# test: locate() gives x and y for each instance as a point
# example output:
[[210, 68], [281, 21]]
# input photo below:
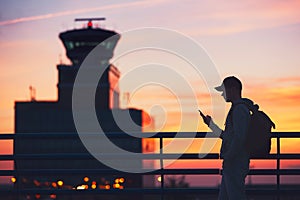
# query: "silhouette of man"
[[233, 151]]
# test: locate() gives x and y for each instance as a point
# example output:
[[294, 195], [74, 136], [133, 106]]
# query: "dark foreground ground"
[[257, 192]]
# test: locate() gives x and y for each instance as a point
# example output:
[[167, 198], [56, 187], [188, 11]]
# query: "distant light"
[[107, 187], [122, 180], [60, 183], [159, 179], [82, 187], [86, 179], [90, 24], [37, 196], [102, 186], [54, 185], [94, 186], [13, 179], [36, 183], [116, 185], [53, 196]]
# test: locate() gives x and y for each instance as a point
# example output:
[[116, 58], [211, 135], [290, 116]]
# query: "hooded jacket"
[[236, 127]]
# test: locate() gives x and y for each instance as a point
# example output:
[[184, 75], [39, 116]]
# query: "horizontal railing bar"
[[112, 191], [274, 172], [108, 156], [138, 134], [145, 156], [286, 135], [133, 191], [106, 171], [280, 156], [203, 171]]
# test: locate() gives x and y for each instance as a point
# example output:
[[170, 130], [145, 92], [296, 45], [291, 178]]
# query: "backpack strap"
[[244, 103]]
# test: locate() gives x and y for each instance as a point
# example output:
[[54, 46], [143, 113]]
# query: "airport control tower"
[[54, 117]]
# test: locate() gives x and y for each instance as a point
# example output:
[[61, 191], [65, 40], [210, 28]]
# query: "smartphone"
[[202, 115], [205, 119]]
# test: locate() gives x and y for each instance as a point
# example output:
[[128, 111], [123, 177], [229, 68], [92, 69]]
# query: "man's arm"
[[216, 130]]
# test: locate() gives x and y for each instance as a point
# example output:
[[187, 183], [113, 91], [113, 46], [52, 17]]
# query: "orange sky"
[[258, 41]]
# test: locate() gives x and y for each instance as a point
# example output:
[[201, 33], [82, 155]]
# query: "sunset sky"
[[257, 41]]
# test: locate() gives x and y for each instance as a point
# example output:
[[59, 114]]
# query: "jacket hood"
[[250, 104]]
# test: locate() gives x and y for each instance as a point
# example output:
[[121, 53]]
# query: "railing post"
[[161, 168], [278, 168], [17, 184]]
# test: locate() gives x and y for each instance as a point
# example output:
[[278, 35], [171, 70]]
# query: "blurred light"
[[122, 180], [102, 186], [116, 185], [121, 187], [106, 187], [86, 179], [60, 183], [54, 185], [159, 179], [94, 186], [37, 196], [82, 187], [116, 180], [36, 183], [53, 196], [90, 24], [13, 179]]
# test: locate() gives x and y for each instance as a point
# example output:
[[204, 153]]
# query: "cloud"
[[282, 91], [242, 17], [80, 11], [291, 79]]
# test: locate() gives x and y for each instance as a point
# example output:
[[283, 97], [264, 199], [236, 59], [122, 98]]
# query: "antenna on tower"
[[32, 93], [90, 20], [126, 99], [60, 59]]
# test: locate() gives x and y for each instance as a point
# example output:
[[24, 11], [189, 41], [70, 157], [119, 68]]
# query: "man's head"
[[231, 88]]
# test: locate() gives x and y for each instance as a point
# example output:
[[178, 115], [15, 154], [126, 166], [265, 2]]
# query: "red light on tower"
[[89, 20], [90, 24]]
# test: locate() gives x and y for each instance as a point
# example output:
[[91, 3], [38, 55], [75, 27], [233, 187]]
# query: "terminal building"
[[54, 117]]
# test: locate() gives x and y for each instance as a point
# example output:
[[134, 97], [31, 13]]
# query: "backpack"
[[258, 138]]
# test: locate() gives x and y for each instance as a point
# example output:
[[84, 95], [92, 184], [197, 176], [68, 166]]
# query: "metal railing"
[[161, 156]]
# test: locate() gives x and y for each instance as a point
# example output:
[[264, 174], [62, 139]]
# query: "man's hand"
[[206, 119]]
